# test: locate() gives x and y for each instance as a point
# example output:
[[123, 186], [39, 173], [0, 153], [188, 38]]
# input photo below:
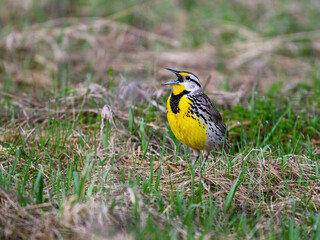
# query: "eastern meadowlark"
[[193, 118]]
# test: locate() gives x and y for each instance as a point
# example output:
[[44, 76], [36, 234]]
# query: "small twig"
[[27, 138], [207, 82]]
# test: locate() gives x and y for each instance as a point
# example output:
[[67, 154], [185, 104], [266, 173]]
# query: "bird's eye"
[[188, 77]]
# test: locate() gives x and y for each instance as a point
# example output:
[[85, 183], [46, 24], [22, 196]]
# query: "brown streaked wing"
[[215, 114]]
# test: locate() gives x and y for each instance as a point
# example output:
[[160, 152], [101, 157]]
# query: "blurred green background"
[[233, 41]]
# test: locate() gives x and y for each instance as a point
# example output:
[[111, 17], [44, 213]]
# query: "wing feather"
[[213, 114]]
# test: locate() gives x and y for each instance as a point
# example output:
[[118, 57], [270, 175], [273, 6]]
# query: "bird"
[[193, 118]]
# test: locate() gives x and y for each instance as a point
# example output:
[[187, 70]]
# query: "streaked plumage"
[[193, 118]]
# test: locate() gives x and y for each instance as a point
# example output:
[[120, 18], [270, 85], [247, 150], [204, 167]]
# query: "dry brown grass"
[[271, 187], [104, 43], [36, 221]]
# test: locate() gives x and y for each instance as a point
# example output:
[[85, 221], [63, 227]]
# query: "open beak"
[[171, 83], [178, 81], [174, 71]]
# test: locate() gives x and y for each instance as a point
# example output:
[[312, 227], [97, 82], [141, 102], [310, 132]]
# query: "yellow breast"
[[187, 127]]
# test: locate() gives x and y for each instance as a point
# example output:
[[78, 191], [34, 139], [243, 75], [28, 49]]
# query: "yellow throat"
[[177, 89]]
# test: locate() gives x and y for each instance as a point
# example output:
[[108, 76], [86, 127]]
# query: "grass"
[[85, 147]]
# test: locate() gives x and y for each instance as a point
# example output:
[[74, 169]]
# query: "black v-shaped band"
[[175, 99]]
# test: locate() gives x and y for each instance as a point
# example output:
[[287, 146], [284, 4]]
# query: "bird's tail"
[[226, 147]]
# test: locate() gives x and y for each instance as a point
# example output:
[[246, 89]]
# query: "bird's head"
[[186, 81]]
